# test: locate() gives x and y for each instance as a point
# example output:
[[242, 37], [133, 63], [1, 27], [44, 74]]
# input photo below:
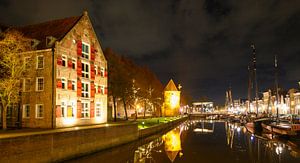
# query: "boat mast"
[[276, 86], [249, 86], [254, 76]]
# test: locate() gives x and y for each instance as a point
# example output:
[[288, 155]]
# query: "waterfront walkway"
[[141, 123], [11, 133]]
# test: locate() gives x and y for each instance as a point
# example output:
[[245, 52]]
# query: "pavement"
[[12, 133]]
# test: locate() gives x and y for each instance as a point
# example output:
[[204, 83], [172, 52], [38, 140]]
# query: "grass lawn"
[[148, 122]]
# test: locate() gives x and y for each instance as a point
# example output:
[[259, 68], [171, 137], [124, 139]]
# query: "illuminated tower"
[[171, 103]]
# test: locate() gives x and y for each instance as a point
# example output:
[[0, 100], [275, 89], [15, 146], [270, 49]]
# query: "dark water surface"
[[201, 141]]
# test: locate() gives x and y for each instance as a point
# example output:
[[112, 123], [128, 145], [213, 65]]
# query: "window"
[[26, 85], [9, 112], [40, 62], [85, 111], [85, 69], [26, 111], [102, 71], [73, 85], [27, 62], [39, 112], [102, 89], [63, 109], [39, 84], [96, 70], [85, 50], [64, 61], [98, 109], [73, 63], [71, 108], [85, 89], [96, 88], [63, 83]]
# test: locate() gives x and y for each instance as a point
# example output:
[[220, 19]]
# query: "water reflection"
[[205, 141], [172, 143]]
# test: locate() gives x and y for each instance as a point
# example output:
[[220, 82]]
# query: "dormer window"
[[85, 50]]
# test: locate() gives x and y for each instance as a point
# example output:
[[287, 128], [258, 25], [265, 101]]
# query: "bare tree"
[[12, 69]]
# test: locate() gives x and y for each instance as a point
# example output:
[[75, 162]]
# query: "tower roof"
[[171, 86]]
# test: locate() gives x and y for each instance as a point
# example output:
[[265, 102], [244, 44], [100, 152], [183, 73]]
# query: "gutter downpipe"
[[52, 124]]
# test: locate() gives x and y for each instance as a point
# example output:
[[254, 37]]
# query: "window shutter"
[[105, 90], [79, 107], [79, 89], [92, 89], [92, 110], [59, 60], [99, 89], [92, 72], [105, 73], [79, 48], [69, 84], [70, 63], [92, 53], [58, 83], [99, 73], [79, 68], [58, 111]]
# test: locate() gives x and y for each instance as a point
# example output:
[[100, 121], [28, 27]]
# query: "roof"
[[55, 28], [171, 86]]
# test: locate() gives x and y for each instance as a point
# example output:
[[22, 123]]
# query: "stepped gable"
[[171, 86], [55, 28]]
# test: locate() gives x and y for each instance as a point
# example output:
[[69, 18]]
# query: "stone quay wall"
[[63, 144], [58, 146], [161, 127]]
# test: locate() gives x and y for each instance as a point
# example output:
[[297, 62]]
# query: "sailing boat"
[[279, 127]]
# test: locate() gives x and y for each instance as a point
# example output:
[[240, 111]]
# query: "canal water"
[[204, 141]]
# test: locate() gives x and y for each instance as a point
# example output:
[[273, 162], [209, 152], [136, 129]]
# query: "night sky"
[[202, 44]]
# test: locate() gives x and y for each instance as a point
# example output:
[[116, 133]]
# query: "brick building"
[[68, 84]]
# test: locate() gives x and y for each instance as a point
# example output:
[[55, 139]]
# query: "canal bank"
[[62, 144]]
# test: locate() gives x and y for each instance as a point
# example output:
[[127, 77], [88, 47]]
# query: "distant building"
[[69, 83], [171, 103], [203, 107]]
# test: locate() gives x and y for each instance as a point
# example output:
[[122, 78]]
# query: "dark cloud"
[[203, 44]]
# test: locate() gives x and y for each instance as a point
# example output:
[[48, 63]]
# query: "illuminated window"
[[63, 83], [85, 50], [85, 69], [102, 71], [96, 88], [85, 89], [102, 89], [26, 111], [63, 109], [85, 111], [73, 85], [64, 61], [39, 84], [39, 112], [40, 62], [98, 109], [96, 70], [73, 63]]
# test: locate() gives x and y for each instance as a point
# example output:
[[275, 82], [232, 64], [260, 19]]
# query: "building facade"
[[67, 84], [171, 103]]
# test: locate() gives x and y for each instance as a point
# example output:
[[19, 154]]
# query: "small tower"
[[171, 103]]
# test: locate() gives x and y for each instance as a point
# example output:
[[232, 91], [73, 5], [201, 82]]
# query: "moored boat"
[[281, 128]]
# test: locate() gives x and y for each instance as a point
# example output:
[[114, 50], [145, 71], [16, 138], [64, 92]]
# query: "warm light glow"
[[172, 143], [68, 121], [174, 101]]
